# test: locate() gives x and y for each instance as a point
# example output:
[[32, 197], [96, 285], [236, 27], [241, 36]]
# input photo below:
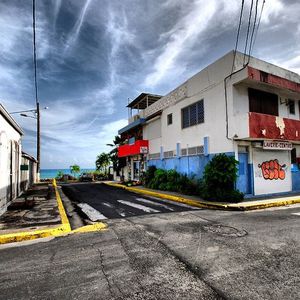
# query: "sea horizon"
[[52, 173]]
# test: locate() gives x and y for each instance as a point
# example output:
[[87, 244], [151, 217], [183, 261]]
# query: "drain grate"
[[224, 230]]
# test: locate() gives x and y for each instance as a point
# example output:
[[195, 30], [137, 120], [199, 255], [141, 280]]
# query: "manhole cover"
[[224, 230]]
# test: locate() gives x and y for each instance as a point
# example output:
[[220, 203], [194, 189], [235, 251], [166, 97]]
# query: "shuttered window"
[[193, 114], [263, 102]]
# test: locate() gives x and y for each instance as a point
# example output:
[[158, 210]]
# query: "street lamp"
[[36, 116]]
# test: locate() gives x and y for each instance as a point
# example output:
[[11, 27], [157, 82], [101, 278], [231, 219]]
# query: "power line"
[[248, 28], [34, 53], [253, 30], [261, 11], [238, 34]]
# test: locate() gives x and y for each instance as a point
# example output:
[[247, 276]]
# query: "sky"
[[94, 55]]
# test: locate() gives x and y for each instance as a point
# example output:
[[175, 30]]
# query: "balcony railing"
[[263, 126], [139, 147]]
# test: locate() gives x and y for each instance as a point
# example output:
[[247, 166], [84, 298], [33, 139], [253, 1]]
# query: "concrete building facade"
[[250, 110], [10, 159]]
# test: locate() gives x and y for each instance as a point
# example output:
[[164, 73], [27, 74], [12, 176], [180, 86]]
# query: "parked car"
[[86, 177]]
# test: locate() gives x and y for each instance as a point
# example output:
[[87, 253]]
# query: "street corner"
[[99, 226]]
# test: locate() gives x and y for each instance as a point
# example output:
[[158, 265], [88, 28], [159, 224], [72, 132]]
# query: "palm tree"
[[75, 169], [113, 154], [102, 162]]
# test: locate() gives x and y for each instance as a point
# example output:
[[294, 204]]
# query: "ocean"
[[51, 173]]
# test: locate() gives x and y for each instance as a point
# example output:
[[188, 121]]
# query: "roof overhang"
[[132, 125], [10, 119], [143, 101]]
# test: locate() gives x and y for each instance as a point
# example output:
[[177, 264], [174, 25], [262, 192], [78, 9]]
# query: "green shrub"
[[149, 175], [219, 179], [169, 180]]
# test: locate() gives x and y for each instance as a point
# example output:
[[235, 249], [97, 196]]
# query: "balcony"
[[139, 147], [263, 126]]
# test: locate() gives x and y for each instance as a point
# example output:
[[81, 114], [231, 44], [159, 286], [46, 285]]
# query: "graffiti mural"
[[272, 170]]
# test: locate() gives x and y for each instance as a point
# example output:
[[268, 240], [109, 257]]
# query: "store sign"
[[277, 145], [143, 150]]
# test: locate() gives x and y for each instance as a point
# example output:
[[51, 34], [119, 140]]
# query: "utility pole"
[[38, 140]]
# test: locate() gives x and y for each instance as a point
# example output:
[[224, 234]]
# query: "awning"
[[132, 125]]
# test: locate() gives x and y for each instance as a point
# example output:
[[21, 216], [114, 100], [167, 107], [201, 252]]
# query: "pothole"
[[224, 230]]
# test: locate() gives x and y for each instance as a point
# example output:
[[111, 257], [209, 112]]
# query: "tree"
[[113, 154], [102, 162], [75, 169]]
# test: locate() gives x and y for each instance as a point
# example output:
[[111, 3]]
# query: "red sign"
[[139, 147]]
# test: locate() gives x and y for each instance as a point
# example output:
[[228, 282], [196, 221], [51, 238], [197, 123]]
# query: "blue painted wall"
[[295, 178], [243, 183], [190, 165]]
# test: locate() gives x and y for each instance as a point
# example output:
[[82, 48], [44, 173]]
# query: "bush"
[[219, 179], [169, 181]]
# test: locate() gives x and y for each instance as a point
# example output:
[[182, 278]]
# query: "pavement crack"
[[110, 288]]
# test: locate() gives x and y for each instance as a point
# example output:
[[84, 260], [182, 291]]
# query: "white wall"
[[8, 135]]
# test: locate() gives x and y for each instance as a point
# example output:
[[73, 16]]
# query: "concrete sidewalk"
[[198, 202], [39, 213]]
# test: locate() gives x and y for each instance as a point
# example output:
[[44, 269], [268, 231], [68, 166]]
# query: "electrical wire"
[[34, 53], [238, 34], [253, 30], [248, 29], [261, 11]]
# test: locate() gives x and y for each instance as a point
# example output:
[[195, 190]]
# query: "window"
[[169, 119], [263, 102], [193, 114], [291, 106]]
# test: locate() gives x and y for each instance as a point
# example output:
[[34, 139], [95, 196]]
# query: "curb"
[[63, 229], [261, 204]]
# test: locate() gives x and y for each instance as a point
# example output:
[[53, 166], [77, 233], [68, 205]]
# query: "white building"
[[253, 114], [10, 159], [28, 171]]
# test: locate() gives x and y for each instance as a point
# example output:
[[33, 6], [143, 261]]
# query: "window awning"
[[132, 125]]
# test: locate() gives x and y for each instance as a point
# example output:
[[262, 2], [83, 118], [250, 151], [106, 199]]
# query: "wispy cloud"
[[76, 29]]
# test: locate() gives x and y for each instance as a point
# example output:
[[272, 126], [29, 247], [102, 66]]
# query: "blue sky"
[[95, 54]]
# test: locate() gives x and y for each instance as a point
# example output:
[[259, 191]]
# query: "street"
[[191, 254], [117, 203]]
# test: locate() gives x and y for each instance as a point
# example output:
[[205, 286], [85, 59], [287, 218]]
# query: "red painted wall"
[[134, 149], [264, 127], [284, 83]]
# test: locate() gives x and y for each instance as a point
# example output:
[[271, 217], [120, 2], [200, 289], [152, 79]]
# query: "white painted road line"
[[93, 214], [175, 203], [296, 214], [155, 203], [138, 206]]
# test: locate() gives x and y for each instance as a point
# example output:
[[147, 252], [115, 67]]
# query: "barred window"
[[154, 156], [168, 154], [193, 114]]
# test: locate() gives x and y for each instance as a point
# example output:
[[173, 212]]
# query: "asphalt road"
[[203, 254], [113, 202]]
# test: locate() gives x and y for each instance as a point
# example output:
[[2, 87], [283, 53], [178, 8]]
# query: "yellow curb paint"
[[251, 205], [62, 229], [62, 212], [34, 234], [90, 228]]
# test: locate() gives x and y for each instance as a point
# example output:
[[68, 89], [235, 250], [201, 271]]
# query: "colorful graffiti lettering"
[[272, 170]]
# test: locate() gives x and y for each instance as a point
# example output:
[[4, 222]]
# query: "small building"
[[249, 109], [28, 171], [10, 159]]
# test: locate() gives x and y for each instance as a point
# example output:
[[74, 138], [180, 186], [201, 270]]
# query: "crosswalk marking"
[[138, 206], [296, 214], [154, 203], [93, 214], [175, 203]]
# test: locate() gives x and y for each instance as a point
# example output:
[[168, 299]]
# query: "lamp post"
[[36, 116]]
